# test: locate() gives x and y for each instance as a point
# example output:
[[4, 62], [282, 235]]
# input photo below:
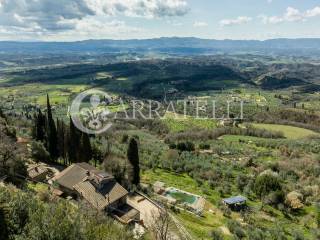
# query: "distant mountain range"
[[174, 45]]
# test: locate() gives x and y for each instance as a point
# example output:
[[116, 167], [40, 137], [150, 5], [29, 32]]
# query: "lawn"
[[182, 182], [180, 123], [198, 227], [289, 132]]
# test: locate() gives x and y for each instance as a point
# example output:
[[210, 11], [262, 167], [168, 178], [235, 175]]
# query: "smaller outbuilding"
[[235, 203], [159, 187], [37, 173]]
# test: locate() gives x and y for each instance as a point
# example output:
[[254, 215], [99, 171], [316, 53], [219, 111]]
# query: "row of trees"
[[204, 135], [292, 117], [61, 140]]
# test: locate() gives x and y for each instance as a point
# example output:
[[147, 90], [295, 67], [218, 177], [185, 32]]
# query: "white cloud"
[[90, 28], [51, 16], [200, 24], [140, 8], [291, 15], [86, 28], [237, 21], [313, 12]]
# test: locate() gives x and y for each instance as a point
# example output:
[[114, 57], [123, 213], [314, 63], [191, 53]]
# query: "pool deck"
[[197, 205]]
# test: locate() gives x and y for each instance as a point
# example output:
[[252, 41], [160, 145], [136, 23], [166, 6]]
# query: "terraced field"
[[289, 132]]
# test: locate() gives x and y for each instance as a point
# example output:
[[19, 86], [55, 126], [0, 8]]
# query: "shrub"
[[275, 198], [125, 138], [294, 200], [204, 146], [27, 217], [236, 229], [225, 210], [256, 234], [318, 214], [216, 235], [172, 146], [185, 146], [190, 146], [266, 183], [39, 152], [297, 235], [242, 181]]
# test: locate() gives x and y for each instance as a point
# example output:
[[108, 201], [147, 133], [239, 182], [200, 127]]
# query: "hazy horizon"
[[156, 38], [76, 20]]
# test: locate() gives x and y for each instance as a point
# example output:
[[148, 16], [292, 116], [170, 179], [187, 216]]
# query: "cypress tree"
[[133, 157], [34, 127], [73, 143], [40, 127], [85, 148], [61, 139], [66, 144], [51, 133]]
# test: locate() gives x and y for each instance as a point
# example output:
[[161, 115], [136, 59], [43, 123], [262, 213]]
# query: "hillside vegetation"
[[288, 131], [271, 156]]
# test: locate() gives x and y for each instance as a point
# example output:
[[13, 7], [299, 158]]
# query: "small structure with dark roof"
[[235, 203], [159, 187], [37, 173]]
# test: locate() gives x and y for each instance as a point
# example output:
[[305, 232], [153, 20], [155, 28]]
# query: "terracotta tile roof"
[[73, 175], [35, 171], [111, 192], [88, 192], [97, 187]]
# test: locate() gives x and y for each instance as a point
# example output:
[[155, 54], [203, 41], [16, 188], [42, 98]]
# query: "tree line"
[[60, 140]]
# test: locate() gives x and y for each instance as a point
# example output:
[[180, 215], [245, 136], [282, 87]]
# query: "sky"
[[74, 20]]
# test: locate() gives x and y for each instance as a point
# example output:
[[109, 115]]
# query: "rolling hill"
[[174, 45]]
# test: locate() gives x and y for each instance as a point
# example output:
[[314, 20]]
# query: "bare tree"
[[161, 224]]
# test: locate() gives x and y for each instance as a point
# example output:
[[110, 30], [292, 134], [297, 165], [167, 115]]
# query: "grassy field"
[[180, 123], [36, 93], [289, 132], [213, 218], [199, 227]]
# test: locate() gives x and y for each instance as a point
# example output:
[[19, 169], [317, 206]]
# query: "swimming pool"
[[180, 196]]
